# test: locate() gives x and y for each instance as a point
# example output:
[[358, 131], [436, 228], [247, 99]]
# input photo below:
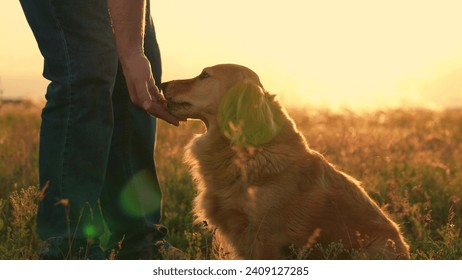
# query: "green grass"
[[410, 162]]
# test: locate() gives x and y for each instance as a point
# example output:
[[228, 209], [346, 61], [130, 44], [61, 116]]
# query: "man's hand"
[[142, 89], [128, 23]]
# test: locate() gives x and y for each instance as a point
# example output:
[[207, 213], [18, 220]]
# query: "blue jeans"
[[96, 147]]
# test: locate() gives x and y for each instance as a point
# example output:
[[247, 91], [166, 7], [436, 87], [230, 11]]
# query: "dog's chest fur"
[[229, 181]]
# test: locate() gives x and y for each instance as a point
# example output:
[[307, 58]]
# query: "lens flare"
[[140, 196], [90, 231], [248, 116]]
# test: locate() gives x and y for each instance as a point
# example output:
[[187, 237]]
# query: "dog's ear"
[[249, 116]]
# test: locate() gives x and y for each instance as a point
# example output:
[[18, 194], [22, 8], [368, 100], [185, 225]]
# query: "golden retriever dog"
[[260, 186]]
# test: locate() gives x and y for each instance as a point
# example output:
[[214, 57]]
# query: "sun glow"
[[330, 53], [357, 54]]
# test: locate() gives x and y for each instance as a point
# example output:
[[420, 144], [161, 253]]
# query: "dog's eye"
[[204, 75]]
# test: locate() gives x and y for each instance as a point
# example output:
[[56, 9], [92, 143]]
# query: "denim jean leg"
[[76, 41], [131, 200], [151, 47]]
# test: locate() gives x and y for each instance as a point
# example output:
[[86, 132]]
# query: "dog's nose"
[[164, 86]]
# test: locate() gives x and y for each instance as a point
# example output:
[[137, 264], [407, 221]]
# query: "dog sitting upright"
[[260, 185]]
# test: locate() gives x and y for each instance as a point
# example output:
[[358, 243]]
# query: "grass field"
[[410, 162]]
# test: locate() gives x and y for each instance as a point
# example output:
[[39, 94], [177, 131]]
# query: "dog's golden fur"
[[260, 185]]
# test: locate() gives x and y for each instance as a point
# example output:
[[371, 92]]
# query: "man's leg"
[[131, 201], [76, 41]]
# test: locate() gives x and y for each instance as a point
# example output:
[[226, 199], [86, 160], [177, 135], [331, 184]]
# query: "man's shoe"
[[149, 245]]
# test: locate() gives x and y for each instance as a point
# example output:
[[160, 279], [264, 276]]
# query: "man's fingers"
[[151, 88], [157, 110], [141, 96], [142, 88], [155, 94], [133, 94]]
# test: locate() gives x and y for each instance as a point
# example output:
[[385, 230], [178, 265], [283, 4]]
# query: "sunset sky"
[[359, 54]]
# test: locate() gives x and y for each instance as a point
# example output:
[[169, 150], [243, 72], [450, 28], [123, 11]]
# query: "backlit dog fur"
[[260, 186]]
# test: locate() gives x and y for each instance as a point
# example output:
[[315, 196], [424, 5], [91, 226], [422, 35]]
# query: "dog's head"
[[229, 97]]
